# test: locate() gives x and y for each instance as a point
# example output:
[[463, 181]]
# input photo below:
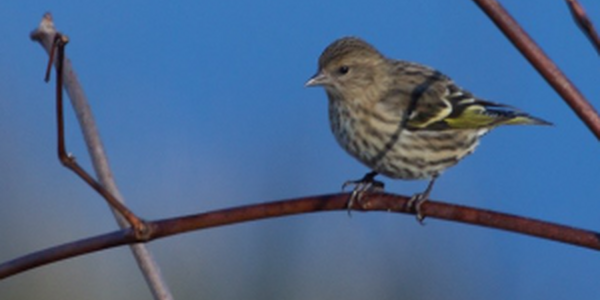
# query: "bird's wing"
[[429, 100], [420, 94]]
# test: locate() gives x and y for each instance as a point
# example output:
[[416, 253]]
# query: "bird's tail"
[[524, 119], [480, 114], [506, 115]]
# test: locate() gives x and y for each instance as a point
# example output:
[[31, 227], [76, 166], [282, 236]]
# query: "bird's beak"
[[317, 79]]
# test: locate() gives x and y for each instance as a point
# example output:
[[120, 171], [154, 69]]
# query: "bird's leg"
[[418, 199], [365, 185]]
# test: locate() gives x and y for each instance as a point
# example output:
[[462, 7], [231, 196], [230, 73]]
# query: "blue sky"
[[202, 106]]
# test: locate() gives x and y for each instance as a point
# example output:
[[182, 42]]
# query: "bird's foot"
[[367, 184], [414, 204], [416, 201]]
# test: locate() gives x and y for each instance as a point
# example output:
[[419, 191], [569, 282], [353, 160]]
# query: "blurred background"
[[201, 106]]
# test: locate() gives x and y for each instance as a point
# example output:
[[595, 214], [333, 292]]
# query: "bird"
[[402, 119]]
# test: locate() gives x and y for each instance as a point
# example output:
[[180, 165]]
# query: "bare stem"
[[67, 159], [561, 84], [45, 35], [584, 23], [334, 202]]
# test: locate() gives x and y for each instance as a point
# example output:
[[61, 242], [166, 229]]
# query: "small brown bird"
[[402, 119]]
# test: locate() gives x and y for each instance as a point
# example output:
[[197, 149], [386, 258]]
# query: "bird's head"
[[349, 67]]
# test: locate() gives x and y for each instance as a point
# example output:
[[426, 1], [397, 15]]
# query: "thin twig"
[[324, 203], [584, 23], [45, 34], [67, 159], [561, 84]]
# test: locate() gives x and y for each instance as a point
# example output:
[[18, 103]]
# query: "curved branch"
[[373, 202], [561, 84]]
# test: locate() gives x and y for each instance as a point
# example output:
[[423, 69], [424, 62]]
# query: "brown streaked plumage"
[[402, 119]]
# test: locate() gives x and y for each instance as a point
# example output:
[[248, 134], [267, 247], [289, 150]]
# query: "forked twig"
[[67, 159], [45, 34], [561, 84]]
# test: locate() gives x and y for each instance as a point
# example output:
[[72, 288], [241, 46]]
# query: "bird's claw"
[[414, 204], [365, 185]]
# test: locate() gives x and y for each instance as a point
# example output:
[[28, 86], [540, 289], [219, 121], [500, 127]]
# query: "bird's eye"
[[344, 69]]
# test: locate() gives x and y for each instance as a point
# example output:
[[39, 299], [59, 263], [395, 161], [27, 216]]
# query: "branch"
[[561, 84], [333, 202], [584, 23], [67, 159], [45, 35]]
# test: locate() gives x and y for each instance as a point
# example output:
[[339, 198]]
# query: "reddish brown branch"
[[584, 23], [67, 159], [561, 84], [376, 202]]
